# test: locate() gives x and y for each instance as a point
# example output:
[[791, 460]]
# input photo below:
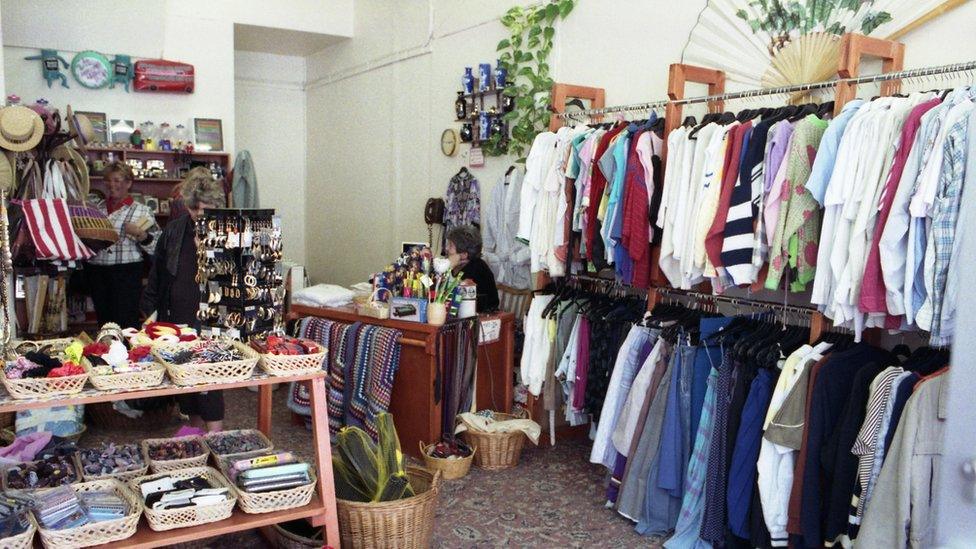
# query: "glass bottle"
[[497, 125], [467, 133]]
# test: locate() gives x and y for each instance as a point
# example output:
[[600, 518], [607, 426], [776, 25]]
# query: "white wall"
[[378, 103], [270, 123]]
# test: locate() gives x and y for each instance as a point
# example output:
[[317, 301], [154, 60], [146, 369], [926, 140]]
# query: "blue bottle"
[[483, 126], [501, 75], [484, 76], [467, 81]]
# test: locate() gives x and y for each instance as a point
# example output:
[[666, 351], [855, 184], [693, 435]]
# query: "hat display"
[[82, 129], [21, 129]]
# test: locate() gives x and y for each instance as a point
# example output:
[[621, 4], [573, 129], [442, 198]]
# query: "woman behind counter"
[[115, 274], [173, 291], [464, 250]]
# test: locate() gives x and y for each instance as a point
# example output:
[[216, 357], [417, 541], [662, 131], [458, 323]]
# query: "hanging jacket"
[[507, 257], [245, 185]]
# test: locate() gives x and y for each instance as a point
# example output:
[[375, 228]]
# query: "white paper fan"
[[758, 42]]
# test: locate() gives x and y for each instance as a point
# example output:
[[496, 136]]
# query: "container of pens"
[[86, 514], [17, 528], [167, 454], [443, 298], [185, 497], [269, 481]]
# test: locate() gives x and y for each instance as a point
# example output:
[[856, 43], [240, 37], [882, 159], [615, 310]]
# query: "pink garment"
[[582, 365], [187, 430], [25, 448]]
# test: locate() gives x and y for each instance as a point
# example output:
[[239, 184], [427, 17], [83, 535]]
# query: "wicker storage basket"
[[292, 365], [209, 438], [169, 519], [23, 540], [159, 466], [496, 450], [450, 469], [128, 381], [122, 477], [4, 472], [404, 523], [45, 386], [97, 533], [214, 372], [266, 502], [290, 540], [103, 414]]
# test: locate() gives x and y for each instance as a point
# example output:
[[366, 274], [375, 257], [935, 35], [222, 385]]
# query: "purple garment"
[[25, 448], [777, 152], [582, 364]]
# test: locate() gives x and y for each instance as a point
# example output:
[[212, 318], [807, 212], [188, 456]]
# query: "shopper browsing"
[[115, 274], [173, 292], [464, 251]]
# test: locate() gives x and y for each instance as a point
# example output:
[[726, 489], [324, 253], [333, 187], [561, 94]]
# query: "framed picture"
[[99, 125], [153, 203], [209, 134], [121, 131]]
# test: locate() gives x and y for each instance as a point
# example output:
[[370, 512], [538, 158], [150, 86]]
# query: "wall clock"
[[449, 142], [91, 69]]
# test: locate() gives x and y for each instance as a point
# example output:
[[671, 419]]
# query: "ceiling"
[[281, 41]]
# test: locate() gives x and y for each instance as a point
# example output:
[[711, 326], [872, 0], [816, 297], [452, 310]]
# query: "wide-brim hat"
[[21, 129], [81, 128], [77, 161], [7, 178]]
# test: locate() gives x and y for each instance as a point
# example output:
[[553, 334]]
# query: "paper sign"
[[490, 330], [476, 158]]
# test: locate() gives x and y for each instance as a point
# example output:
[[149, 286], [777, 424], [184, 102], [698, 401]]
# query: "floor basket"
[[496, 450], [97, 533], [293, 365], [404, 523], [450, 469], [23, 540], [169, 519], [285, 539], [158, 466]]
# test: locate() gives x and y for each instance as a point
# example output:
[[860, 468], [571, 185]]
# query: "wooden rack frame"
[[855, 46]]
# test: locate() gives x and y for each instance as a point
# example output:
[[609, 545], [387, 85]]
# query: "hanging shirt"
[[713, 173], [667, 214], [774, 174], [507, 257], [703, 177], [536, 165], [738, 241]]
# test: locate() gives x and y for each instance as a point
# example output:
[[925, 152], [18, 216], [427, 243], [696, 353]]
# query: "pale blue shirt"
[[823, 165]]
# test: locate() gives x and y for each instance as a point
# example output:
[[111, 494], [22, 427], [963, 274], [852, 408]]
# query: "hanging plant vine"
[[525, 54]]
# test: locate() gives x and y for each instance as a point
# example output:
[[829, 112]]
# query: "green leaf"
[[549, 32], [535, 31], [505, 58], [552, 10], [509, 116], [502, 45], [565, 7], [527, 56], [534, 42]]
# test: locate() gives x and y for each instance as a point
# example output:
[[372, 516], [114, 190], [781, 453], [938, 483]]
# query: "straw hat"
[[7, 180], [21, 128], [82, 129]]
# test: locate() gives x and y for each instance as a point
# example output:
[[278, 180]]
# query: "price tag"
[[247, 239], [210, 254], [490, 330], [215, 331], [234, 333], [426, 281]]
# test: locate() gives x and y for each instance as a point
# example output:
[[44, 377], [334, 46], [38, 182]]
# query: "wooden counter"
[[415, 404]]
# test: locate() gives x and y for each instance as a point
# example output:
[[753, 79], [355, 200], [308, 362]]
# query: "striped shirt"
[[866, 445], [739, 242]]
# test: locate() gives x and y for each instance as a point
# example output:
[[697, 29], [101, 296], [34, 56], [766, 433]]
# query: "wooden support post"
[[855, 46], [264, 409], [323, 462]]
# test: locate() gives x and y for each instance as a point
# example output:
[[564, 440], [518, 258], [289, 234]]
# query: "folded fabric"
[[476, 422], [323, 295], [24, 448]]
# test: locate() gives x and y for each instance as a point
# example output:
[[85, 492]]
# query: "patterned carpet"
[[554, 498]]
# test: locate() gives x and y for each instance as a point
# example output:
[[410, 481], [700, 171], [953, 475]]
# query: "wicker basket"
[[266, 502], [404, 523], [128, 381], [4, 471], [289, 540], [122, 477], [43, 387], [209, 437], [169, 519], [214, 372], [159, 466], [450, 469], [293, 365], [23, 540], [496, 450], [97, 533]]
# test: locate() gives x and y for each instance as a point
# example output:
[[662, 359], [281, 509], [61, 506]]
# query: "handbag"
[[49, 221], [91, 225]]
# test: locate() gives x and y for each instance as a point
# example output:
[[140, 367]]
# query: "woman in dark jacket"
[[173, 292], [464, 250]]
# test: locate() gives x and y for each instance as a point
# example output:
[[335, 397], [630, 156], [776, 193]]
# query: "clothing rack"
[[968, 66]]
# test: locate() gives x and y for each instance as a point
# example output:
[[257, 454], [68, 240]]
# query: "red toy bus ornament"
[[160, 75]]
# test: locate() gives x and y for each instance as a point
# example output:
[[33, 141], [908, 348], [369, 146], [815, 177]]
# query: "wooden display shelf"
[[321, 511], [128, 150], [167, 180]]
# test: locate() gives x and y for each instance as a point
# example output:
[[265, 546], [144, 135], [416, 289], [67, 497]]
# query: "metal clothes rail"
[[908, 74]]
